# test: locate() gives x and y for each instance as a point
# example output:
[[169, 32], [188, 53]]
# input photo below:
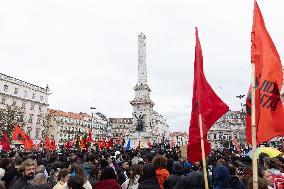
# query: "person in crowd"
[[246, 175], [148, 180], [160, 164], [94, 174], [261, 184], [40, 181], [136, 159], [75, 182], [12, 172], [27, 173], [132, 181], [107, 179], [235, 181], [123, 173], [79, 171], [194, 180], [176, 178], [221, 177], [62, 178]]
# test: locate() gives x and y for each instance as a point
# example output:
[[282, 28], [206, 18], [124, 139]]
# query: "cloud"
[[87, 50]]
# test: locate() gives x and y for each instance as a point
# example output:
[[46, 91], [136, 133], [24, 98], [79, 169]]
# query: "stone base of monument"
[[141, 137]]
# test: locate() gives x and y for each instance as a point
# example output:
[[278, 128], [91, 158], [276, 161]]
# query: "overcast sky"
[[87, 50]]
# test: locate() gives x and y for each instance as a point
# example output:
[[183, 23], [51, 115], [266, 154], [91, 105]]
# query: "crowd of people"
[[159, 167]]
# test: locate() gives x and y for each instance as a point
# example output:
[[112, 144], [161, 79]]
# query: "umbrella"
[[271, 152]]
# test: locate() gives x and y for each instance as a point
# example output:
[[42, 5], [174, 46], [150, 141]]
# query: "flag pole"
[[203, 153], [253, 131]]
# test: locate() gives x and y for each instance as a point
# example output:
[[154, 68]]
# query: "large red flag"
[[204, 102], [269, 78], [5, 143], [20, 136]]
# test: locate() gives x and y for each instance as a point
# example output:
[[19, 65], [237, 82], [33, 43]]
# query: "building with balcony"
[[120, 128], [66, 126], [229, 126], [178, 138], [32, 99]]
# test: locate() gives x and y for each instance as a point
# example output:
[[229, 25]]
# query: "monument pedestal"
[[142, 137]]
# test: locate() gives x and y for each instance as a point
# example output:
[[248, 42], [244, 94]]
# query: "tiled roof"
[[64, 114]]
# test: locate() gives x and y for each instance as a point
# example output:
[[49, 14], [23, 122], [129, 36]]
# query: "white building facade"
[[229, 127], [67, 126], [179, 138], [120, 128], [31, 98]]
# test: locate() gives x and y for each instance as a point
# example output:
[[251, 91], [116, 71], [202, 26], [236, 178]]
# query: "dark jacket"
[[21, 183], [121, 176], [236, 183], [221, 177], [148, 179], [107, 184], [9, 176], [194, 180], [175, 181]]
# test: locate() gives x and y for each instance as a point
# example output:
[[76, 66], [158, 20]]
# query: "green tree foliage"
[[9, 117]]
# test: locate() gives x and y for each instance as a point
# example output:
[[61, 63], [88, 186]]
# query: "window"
[[37, 133], [5, 88], [39, 108], [31, 118], [41, 98], [38, 121], [3, 100], [24, 105], [32, 106], [14, 103], [16, 90], [33, 95]]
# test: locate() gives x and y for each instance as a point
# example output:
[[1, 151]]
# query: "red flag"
[[20, 136], [110, 143], [5, 143], [52, 145], [47, 143], [269, 78], [204, 102], [90, 138]]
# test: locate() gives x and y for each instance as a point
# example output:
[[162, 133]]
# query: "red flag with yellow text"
[[204, 102], [269, 78]]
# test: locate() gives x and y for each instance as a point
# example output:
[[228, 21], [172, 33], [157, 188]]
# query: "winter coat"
[[151, 183], [122, 176], [172, 181], [221, 177], [236, 183], [107, 184], [21, 183], [148, 179], [194, 180]]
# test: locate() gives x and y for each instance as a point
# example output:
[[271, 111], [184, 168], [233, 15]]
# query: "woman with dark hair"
[[132, 182], [148, 179], [75, 182], [62, 179], [79, 171], [107, 179], [160, 164]]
